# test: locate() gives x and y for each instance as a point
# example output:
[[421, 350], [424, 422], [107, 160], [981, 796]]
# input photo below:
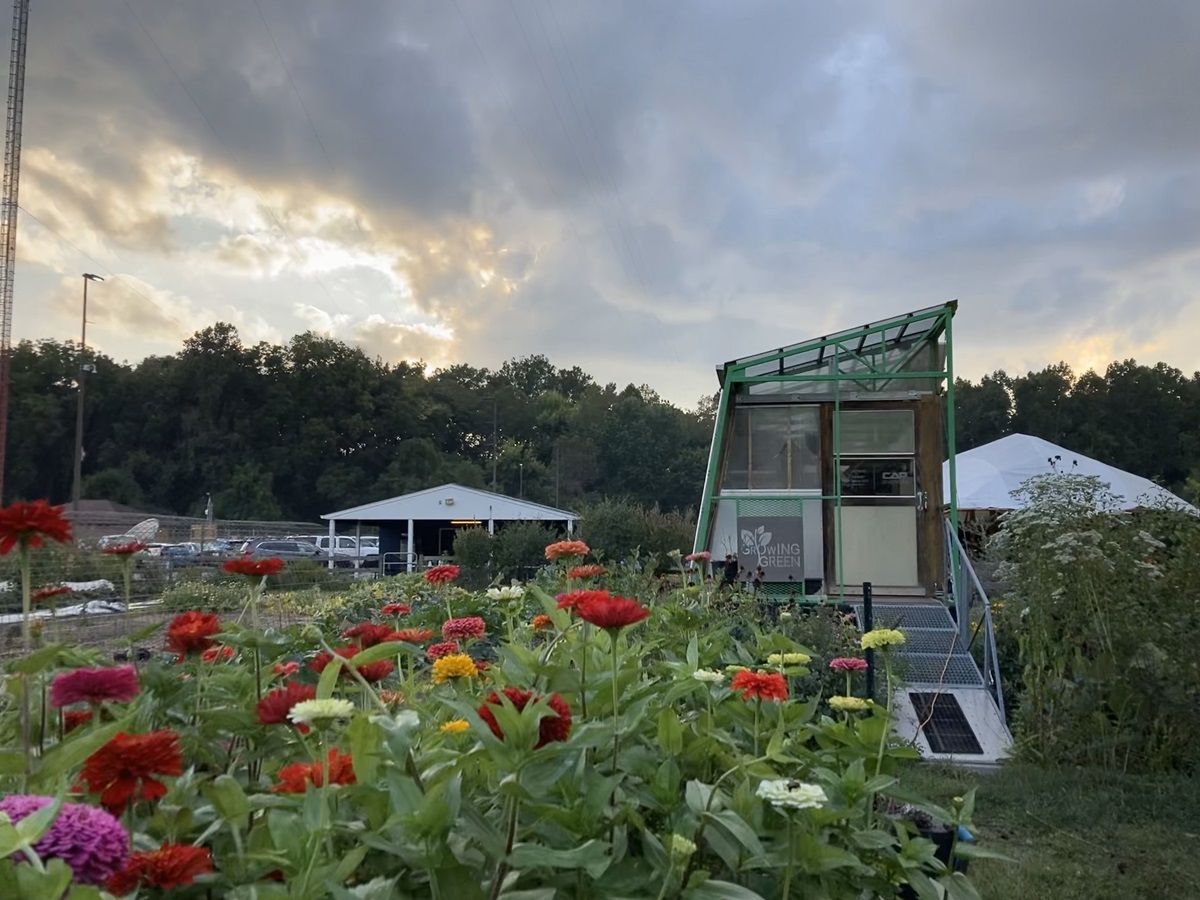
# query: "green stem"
[[887, 666], [616, 706], [757, 708], [27, 646], [126, 567], [583, 670], [514, 806], [787, 871]]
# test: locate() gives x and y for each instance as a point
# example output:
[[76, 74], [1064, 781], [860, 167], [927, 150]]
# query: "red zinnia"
[[27, 524], [254, 568], [168, 867], [116, 684], [125, 549], [589, 571], [123, 769], [437, 651], [441, 574], [192, 632], [217, 654], [371, 672], [611, 613], [275, 705], [461, 629], [573, 599], [295, 778], [411, 635], [567, 548], [848, 664], [761, 685], [72, 719], [286, 668], [542, 623], [554, 726], [396, 609], [368, 634], [47, 592]]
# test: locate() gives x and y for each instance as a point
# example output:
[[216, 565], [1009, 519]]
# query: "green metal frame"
[[869, 345]]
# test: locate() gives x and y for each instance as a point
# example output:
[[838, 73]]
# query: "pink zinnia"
[[461, 629], [848, 664], [437, 651], [117, 684]]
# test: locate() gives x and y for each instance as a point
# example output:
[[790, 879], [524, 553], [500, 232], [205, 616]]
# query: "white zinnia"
[[306, 712], [792, 794], [512, 592], [709, 675]]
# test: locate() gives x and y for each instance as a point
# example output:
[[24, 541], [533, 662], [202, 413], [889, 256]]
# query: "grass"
[[1078, 835]]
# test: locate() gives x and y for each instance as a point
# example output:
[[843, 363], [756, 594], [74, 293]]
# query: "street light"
[[84, 369]]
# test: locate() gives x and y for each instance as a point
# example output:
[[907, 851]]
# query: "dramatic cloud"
[[643, 190]]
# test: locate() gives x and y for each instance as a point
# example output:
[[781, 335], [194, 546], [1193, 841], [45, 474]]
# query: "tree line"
[[1143, 419], [291, 431]]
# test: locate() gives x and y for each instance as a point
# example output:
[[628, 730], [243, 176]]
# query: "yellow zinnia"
[[789, 659], [456, 726], [850, 704], [453, 665], [882, 639]]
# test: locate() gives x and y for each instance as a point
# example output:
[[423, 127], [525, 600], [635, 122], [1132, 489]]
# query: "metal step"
[[932, 655]]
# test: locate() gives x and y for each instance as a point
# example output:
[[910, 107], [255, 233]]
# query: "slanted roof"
[[452, 502], [988, 475], [867, 343]]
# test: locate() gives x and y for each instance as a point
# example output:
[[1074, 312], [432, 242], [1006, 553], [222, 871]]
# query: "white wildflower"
[[510, 592], [786, 794]]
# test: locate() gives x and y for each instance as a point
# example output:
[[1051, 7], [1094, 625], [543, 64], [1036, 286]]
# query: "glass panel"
[[877, 431], [737, 453], [773, 448], [878, 478], [769, 448]]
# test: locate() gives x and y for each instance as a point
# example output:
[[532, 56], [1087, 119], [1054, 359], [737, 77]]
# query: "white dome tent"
[[988, 475]]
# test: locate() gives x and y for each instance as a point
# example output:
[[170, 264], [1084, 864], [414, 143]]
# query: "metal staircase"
[[948, 705]]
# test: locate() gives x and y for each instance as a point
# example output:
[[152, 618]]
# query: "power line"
[[98, 264], [295, 89], [631, 245], [228, 150]]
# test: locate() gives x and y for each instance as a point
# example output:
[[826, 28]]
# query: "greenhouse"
[[826, 464]]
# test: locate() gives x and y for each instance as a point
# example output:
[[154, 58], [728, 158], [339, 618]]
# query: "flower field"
[[564, 738]]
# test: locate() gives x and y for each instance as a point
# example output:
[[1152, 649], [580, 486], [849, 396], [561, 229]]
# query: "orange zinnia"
[[761, 685], [569, 549]]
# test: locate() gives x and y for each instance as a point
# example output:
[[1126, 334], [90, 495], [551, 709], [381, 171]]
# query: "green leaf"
[[739, 829], [70, 754], [697, 795], [329, 677], [968, 806], [53, 882], [670, 732], [228, 798], [12, 762], [926, 887], [532, 894], [722, 890], [365, 738], [32, 827], [974, 851], [591, 856], [376, 889], [958, 887], [37, 661], [351, 861], [873, 840], [386, 650], [880, 783], [10, 838]]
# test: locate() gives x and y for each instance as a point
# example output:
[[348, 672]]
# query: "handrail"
[[964, 601]]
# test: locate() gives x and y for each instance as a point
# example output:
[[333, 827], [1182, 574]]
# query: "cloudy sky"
[[641, 188]]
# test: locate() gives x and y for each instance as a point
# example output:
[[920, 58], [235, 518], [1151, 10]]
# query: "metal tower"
[[8, 210]]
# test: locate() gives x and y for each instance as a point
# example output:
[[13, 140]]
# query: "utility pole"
[[8, 209], [84, 369], [557, 473], [495, 442], [521, 489]]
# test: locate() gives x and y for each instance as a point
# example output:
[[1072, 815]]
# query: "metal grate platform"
[[908, 615], [944, 724], [921, 669]]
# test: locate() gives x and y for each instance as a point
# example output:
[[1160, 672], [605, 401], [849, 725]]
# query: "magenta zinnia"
[[848, 664], [90, 841], [116, 684]]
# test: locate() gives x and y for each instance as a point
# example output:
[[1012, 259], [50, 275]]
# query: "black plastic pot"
[[943, 839]]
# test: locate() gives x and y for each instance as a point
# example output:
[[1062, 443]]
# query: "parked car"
[[263, 549], [347, 546]]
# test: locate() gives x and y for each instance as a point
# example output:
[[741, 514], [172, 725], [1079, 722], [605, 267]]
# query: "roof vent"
[[449, 501]]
